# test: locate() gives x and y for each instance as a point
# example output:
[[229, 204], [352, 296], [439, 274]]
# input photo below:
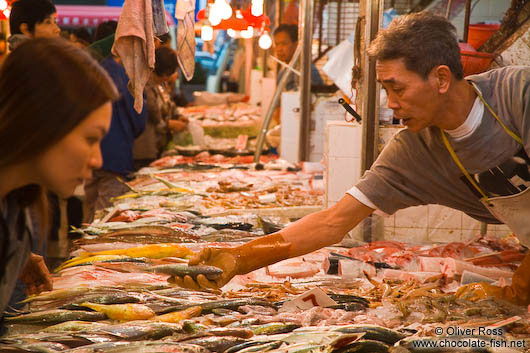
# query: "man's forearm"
[[326, 227]]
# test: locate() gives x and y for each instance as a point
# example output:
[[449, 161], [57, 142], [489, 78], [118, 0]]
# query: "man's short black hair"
[[105, 29], [29, 12], [291, 30], [165, 61], [164, 38], [83, 34], [423, 40]]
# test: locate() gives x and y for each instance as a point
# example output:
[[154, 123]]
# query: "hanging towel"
[[135, 46], [159, 17], [185, 13]]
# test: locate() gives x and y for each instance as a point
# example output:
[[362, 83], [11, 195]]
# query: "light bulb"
[[256, 8], [7, 12], [3, 5], [226, 11], [248, 33], [206, 33], [214, 17], [265, 41], [238, 14], [231, 33]]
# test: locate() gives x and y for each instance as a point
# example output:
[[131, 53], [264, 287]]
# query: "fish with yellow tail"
[[178, 316], [152, 251], [123, 312]]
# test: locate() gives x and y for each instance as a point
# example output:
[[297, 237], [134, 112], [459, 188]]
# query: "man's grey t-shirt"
[[416, 168]]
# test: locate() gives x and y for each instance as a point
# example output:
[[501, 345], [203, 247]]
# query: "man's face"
[[47, 28], [414, 100], [284, 47]]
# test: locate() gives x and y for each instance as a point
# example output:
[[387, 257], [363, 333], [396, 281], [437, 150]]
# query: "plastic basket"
[[475, 62], [479, 33]]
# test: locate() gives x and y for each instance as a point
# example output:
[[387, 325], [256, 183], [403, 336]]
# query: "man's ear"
[[25, 30], [443, 76]]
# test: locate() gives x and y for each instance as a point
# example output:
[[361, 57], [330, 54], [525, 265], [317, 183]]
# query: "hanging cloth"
[[159, 17], [185, 13], [135, 46]]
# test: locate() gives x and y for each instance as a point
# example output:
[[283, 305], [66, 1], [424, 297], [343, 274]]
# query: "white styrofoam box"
[[444, 217], [326, 109], [342, 174], [316, 143], [469, 222], [290, 121], [445, 235], [502, 230], [389, 221], [315, 157], [343, 139], [268, 86], [410, 235], [468, 234], [413, 217], [255, 86]]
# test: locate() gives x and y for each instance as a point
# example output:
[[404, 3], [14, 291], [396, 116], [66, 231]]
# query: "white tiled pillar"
[[342, 156]]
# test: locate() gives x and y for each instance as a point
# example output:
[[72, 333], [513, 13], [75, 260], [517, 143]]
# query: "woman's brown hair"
[[47, 87]]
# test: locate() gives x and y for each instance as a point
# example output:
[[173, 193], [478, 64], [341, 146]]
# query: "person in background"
[[71, 117], [105, 29], [117, 146], [81, 37], [162, 113], [101, 47], [163, 41], [32, 19], [285, 39]]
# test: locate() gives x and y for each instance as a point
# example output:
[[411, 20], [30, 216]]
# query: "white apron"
[[511, 210]]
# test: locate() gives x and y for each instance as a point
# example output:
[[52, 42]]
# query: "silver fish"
[[55, 317], [211, 272]]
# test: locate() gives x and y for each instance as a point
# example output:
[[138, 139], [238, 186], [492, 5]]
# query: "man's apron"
[[511, 210]]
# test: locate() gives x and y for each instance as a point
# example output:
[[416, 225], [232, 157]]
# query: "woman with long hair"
[[55, 107]]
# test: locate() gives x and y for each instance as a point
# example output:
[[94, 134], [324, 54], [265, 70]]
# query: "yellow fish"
[[88, 260], [178, 316], [153, 251], [123, 312]]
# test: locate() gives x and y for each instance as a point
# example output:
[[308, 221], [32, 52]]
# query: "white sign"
[[308, 300]]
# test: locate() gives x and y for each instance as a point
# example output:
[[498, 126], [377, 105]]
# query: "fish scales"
[[231, 304], [56, 316], [373, 332], [211, 272]]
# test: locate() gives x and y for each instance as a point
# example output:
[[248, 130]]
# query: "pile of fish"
[[116, 292]]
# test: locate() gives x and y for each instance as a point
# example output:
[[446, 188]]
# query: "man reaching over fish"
[[466, 147]]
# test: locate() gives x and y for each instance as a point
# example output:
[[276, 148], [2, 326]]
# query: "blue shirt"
[[126, 124]]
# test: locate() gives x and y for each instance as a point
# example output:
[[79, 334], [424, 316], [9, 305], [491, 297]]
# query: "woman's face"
[[71, 160]]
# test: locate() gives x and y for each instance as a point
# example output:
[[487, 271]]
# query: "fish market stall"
[[115, 293]]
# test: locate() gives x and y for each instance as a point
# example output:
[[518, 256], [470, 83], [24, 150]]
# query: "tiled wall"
[[422, 224]]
